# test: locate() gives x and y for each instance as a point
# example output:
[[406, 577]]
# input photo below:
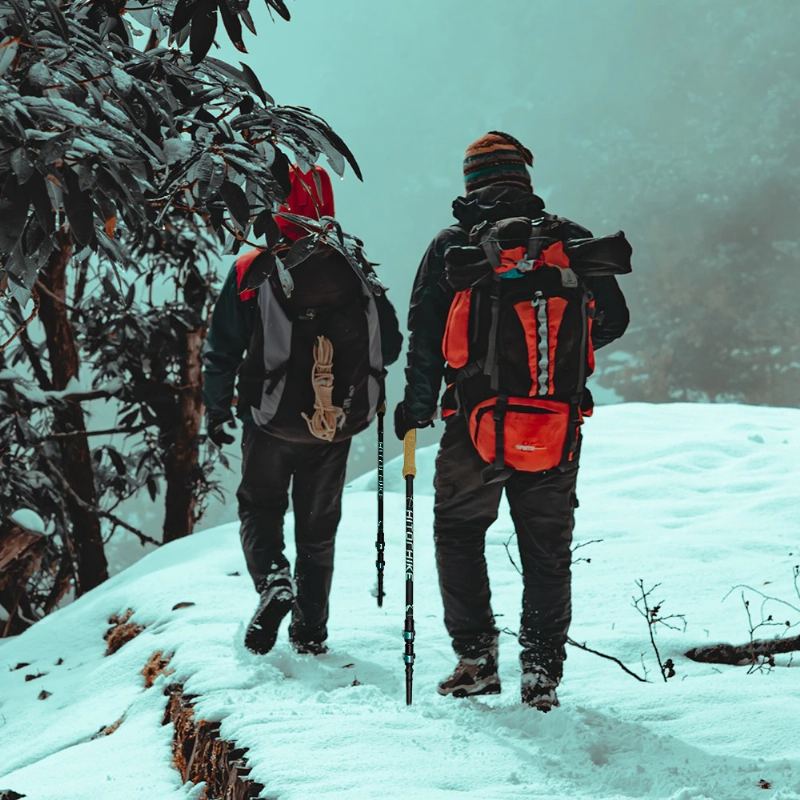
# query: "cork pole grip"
[[409, 446]]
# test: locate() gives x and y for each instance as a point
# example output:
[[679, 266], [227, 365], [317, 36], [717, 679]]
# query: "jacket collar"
[[496, 202]]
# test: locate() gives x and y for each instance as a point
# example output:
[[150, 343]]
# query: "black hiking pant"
[[316, 473], [542, 508]]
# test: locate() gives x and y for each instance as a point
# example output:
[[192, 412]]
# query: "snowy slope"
[[698, 498]]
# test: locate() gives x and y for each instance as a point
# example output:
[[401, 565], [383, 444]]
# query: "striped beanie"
[[497, 157]]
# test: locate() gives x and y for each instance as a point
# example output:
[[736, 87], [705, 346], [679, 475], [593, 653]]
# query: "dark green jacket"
[[229, 335], [432, 295]]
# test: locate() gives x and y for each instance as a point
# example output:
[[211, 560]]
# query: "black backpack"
[[314, 369]]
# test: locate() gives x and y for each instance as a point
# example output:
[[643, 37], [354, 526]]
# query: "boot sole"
[[263, 632], [490, 688], [543, 704], [543, 707]]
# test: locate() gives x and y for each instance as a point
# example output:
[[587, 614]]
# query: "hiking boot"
[[277, 597], [538, 689], [307, 640], [308, 648], [473, 676]]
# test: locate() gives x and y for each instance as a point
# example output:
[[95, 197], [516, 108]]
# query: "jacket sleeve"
[[611, 312], [223, 351], [391, 338], [427, 315]]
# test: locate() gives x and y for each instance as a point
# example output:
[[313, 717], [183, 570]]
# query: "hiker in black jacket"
[[542, 503], [301, 396]]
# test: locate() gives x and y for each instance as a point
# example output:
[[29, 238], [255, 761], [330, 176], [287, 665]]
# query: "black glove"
[[215, 426], [403, 423]]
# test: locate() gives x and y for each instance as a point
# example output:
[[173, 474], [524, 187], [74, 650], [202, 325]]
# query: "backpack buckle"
[[526, 265], [569, 280]]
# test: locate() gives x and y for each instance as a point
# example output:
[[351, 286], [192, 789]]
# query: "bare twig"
[[508, 552], [768, 596], [584, 544], [42, 378], [108, 432], [653, 618], [610, 658]]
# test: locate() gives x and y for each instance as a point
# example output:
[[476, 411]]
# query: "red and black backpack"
[[518, 339]]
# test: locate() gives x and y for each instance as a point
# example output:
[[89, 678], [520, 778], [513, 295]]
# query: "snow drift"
[[697, 498]]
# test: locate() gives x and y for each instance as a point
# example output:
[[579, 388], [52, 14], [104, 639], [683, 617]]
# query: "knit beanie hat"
[[497, 157]]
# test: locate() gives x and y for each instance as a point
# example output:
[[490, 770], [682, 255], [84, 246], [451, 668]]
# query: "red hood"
[[311, 196]]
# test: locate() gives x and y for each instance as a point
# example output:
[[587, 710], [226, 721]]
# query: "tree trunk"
[[76, 461], [182, 453]]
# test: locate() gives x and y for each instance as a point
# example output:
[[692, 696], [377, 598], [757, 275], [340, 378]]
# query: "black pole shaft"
[[408, 631], [380, 543]]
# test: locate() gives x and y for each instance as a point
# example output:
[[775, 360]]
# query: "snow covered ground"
[[697, 498]]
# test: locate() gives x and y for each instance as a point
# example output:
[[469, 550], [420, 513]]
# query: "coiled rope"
[[327, 417]]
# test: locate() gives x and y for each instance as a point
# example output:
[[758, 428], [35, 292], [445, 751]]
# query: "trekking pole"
[[380, 542], [409, 472]]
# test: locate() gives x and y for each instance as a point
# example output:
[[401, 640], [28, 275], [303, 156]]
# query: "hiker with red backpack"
[[508, 306], [308, 328]]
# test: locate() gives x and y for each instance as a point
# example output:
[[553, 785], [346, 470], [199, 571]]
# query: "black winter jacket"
[[432, 295]]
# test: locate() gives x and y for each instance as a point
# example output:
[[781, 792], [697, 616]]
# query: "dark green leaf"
[[248, 20], [280, 7], [78, 205], [259, 271], [280, 171], [21, 164], [232, 26], [204, 26], [109, 288], [254, 83], [13, 214], [264, 225], [184, 10], [117, 461], [61, 23], [237, 203]]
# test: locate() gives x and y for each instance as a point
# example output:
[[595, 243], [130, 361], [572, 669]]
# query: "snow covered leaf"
[[8, 52]]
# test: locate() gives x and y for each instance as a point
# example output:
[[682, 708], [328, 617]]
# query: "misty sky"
[[635, 111]]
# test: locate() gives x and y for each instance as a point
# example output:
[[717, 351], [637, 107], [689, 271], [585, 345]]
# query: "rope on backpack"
[[327, 417]]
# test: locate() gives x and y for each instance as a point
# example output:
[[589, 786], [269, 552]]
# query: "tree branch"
[[107, 432], [143, 537], [27, 321], [610, 658]]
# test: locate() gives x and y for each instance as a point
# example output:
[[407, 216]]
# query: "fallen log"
[[200, 754], [742, 654]]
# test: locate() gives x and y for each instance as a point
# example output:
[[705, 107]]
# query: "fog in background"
[[674, 121]]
